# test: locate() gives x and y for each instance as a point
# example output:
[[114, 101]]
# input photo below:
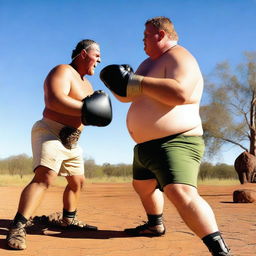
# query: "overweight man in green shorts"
[[164, 121]]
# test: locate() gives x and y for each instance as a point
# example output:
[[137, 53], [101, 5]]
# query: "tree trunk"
[[253, 126], [253, 142]]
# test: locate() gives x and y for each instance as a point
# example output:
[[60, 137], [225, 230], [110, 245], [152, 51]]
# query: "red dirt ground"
[[113, 207]]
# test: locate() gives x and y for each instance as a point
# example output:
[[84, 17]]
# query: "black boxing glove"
[[97, 109], [127, 67], [121, 80]]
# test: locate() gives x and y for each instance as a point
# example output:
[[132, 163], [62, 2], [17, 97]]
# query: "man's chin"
[[91, 73]]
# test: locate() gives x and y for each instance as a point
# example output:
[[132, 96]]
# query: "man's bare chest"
[[79, 90], [155, 69]]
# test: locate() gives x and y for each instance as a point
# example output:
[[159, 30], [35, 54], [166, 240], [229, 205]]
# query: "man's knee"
[[44, 176], [76, 183], [180, 193]]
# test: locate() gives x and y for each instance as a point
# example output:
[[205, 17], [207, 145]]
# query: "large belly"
[[148, 119], [71, 121]]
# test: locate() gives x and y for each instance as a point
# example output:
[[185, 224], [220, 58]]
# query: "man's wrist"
[[134, 87]]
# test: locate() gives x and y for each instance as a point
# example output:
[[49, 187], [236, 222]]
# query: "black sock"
[[67, 214], [216, 244], [154, 220], [19, 218]]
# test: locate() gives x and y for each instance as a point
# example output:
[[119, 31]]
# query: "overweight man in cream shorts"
[[70, 104]]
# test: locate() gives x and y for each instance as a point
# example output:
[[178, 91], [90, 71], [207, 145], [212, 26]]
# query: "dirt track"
[[113, 207]]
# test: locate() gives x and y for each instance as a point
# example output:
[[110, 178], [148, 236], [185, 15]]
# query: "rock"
[[244, 196]]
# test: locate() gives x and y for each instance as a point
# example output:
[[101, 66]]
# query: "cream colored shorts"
[[48, 150]]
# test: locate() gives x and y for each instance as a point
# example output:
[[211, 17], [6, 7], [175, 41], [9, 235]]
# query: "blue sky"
[[38, 35]]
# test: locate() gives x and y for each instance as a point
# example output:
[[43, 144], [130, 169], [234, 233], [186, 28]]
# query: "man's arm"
[[176, 88], [123, 99], [57, 88], [178, 85]]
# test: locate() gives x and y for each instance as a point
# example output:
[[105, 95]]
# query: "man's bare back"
[[149, 118]]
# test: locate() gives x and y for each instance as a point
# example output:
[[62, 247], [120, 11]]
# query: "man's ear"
[[83, 53], [161, 34]]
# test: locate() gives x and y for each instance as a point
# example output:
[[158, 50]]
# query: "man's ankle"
[[216, 244], [155, 219], [69, 214], [19, 218]]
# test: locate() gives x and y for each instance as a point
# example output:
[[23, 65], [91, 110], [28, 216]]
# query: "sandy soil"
[[113, 207]]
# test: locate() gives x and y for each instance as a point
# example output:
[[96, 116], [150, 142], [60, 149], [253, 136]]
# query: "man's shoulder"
[[61, 70], [179, 56], [180, 51], [62, 67]]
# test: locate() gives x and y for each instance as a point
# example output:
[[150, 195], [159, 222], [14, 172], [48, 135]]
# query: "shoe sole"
[[15, 248], [153, 234]]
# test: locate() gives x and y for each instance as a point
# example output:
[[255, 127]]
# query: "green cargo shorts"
[[170, 160]]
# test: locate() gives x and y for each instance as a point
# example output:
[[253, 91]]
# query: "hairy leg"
[[193, 209], [33, 193]]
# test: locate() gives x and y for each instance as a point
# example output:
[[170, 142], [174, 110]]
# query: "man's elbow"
[[122, 99], [182, 97]]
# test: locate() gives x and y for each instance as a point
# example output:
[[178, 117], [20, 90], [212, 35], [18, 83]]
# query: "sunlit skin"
[[169, 104], [171, 96], [66, 86]]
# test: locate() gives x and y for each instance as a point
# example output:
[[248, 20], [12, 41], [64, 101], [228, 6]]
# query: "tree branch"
[[236, 143], [247, 121]]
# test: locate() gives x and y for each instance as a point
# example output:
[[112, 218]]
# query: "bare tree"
[[230, 115]]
